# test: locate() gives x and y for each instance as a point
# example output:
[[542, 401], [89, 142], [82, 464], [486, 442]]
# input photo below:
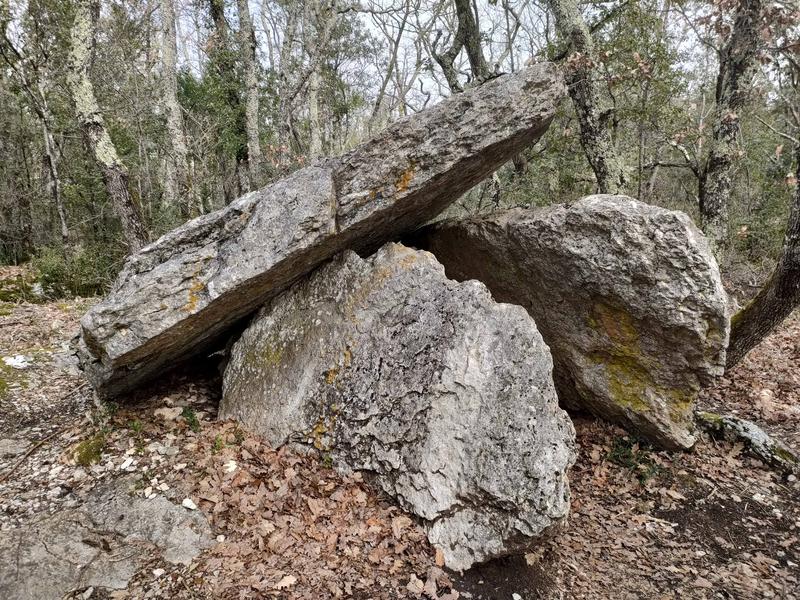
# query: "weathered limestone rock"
[[445, 396], [177, 295], [102, 544], [757, 441], [627, 296]]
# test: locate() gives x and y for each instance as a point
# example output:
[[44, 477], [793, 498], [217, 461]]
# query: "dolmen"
[[441, 371]]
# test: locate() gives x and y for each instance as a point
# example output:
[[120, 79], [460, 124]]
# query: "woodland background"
[[204, 100]]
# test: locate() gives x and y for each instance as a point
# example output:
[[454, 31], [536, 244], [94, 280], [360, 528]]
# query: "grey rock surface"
[[10, 447], [627, 295], [176, 296], [443, 395], [757, 441], [100, 544]]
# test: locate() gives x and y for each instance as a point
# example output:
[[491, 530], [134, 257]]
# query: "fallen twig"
[[38, 444]]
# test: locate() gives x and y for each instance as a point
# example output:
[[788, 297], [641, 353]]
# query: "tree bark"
[[177, 191], [593, 115], [248, 54], [738, 63], [314, 124], [468, 20], [34, 88], [467, 37], [55, 183], [779, 296], [90, 119]]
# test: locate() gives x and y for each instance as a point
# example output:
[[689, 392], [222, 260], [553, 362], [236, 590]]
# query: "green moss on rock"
[[90, 451], [629, 379]]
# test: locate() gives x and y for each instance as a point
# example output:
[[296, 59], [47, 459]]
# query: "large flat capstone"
[[627, 295], [444, 396], [176, 296]]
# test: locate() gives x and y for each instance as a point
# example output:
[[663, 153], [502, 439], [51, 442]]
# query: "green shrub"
[[634, 455], [86, 272], [19, 288]]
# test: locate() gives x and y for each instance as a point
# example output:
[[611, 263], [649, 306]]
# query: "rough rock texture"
[[757, 441], [102, 544], [10, 447], [175, 296], [627, 296], [386, 366]]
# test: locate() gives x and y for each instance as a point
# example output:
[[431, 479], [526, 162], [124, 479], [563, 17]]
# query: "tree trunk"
[[176, 183], [467, 36], [51, 160], [55, 184], [314, 124], [34, 87], [467, 20], [738, 63], [594, 117], [90, 119], [248, 53], [779, 296]]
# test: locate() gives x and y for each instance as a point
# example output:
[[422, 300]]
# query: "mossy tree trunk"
[[177, 188], [738, 63], [594, 116], [779, 296], [33, 80], [90, 119], [247, 42], [467, 37]]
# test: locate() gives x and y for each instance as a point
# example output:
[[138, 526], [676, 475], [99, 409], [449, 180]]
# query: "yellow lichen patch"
[[628, 382], [194, 290], [680, 405], [348, 357], [629, 379], [615, 322], [317, 433], [402, 183], [270, 354], [322, 428], [331, 375]]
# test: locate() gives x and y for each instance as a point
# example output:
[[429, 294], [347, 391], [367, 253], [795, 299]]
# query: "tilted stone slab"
[[443, 395], [627, 295], [177, 295]]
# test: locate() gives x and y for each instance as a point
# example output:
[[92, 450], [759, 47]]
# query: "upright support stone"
[[444, 397], [627, 295], [177, 296]]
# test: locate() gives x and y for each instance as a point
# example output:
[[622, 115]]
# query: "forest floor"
[[711, 523]]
